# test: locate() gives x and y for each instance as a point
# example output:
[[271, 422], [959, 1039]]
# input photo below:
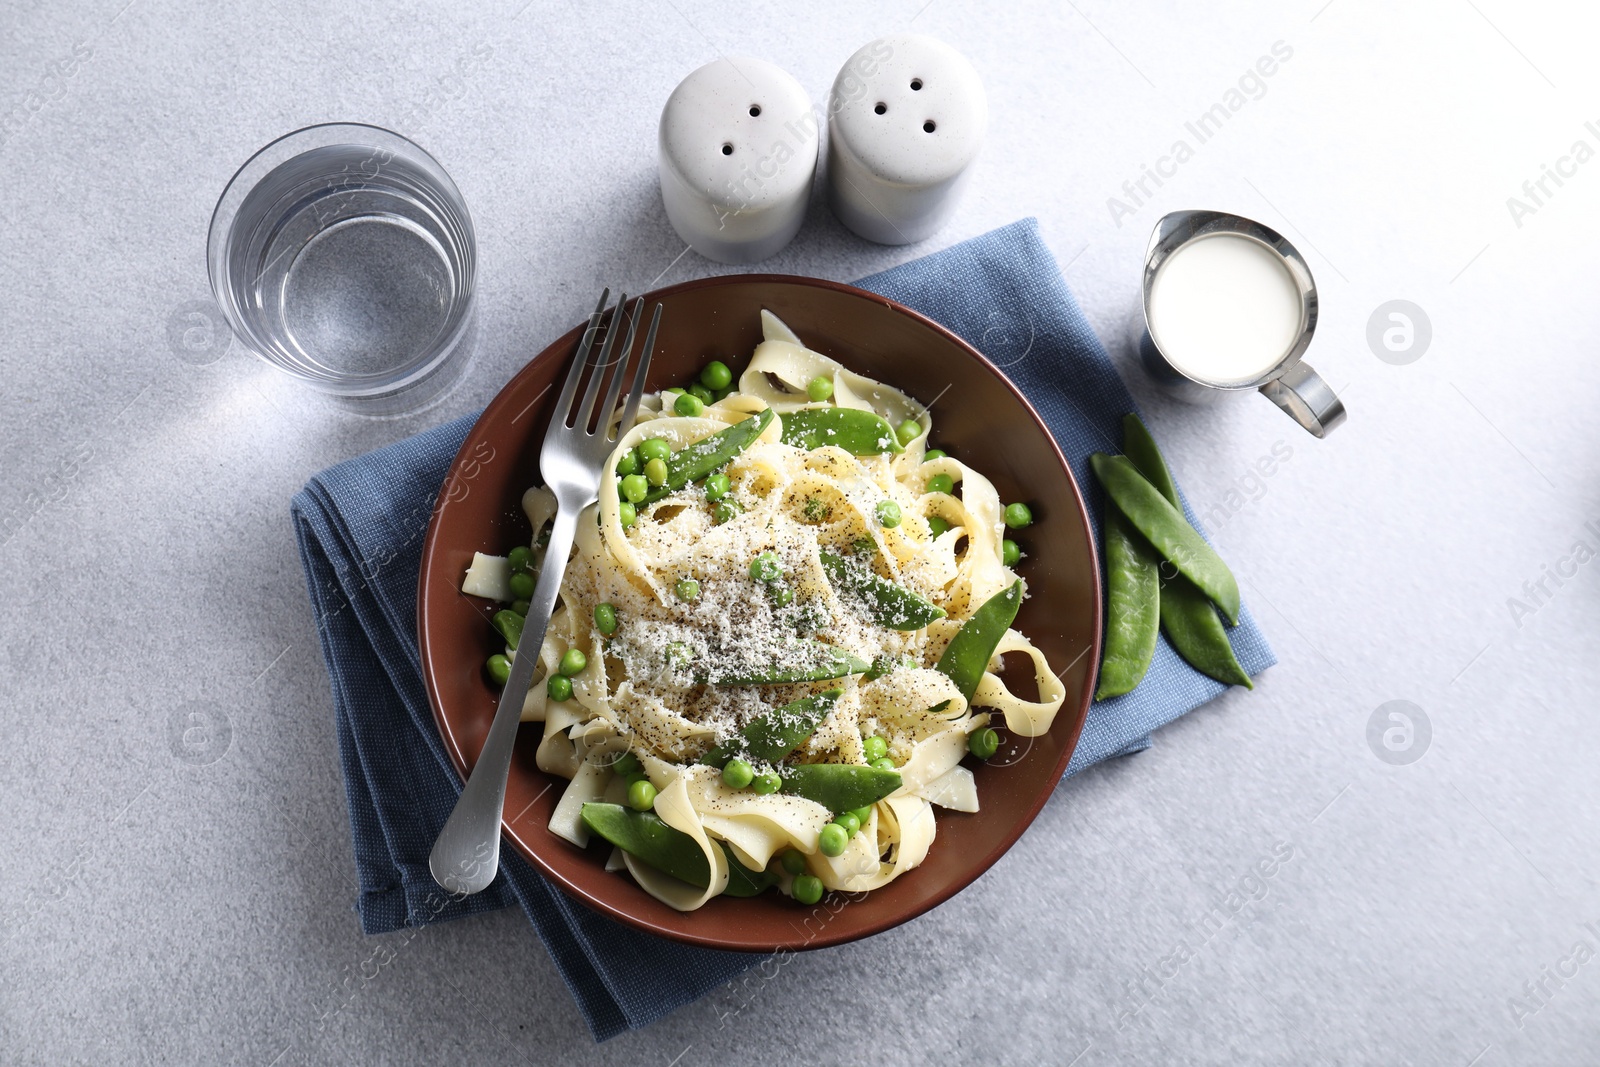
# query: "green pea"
[[573, 661], [766, 784], [941, 483], [907, 431], [628, 463], [558, 687], [1018, 515], [781, 594], [888, 513], [627, 765], [766, 568], [688, 405], [627, 514], [520, 558], [717, 487], [702, 394], [819, 388], [1010, 552], [793, 861], [655, 472], [716, 375], [736, 774], [932, 454], [849, 821], [862, 814], [725, 511], [605, 618], [807, 888], [937, 526], [635, 487], [521, 607], [983, 743], [687, 589], [883, 764], [641, 795], [875, 748], [654, 448], [832, 840], [679, 655], [499, 669], [521, 585]]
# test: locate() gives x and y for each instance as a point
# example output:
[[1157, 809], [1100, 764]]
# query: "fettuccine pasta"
[[761, 671]]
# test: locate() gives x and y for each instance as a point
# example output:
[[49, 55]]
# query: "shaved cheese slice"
[[488, 576], [955, 789]]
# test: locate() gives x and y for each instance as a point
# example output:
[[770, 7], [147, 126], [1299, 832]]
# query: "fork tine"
[[608, 405], [601, 363], [632, 410], [580, 359]]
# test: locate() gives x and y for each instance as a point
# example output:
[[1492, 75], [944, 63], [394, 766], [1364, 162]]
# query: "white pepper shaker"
[[907, 119], [738, 152]]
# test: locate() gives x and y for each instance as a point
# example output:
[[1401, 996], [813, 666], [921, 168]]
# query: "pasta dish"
[[780, 633]]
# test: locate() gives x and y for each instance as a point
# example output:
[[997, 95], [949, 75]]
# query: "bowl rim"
[[828, 937]]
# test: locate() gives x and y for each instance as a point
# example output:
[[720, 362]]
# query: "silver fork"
[[467, 853]]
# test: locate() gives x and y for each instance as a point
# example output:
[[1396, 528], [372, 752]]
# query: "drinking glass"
[[344, 255]]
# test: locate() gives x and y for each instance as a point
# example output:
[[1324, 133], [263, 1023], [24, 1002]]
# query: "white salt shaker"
[[908, 117], [738, 152]]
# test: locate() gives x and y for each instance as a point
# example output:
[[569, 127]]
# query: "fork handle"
[[466, 856]]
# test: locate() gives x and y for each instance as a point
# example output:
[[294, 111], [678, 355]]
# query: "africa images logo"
[[1251, 85]]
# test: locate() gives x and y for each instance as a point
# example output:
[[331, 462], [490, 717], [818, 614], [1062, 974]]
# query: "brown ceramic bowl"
[[982, 419]]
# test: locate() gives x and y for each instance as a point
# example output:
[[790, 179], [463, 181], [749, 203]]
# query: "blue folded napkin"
[[360, 526]]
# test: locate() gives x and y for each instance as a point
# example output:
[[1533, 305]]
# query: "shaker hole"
[[727, 149], [755, 109], [928, 127], [881, 108], [916, 84]]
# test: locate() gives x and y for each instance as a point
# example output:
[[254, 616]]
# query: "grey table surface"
[[1431, 902]]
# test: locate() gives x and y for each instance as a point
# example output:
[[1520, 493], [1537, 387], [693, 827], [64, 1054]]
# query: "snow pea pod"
[[1192, 624], [779, 732], [510, 624], [860, 433], [1187, 615], [1133, 607], [968, 654], [646, 838], [839, 786], [1140, 448], [1165, 527], [816, 662], [709, 454], [887, 604]]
